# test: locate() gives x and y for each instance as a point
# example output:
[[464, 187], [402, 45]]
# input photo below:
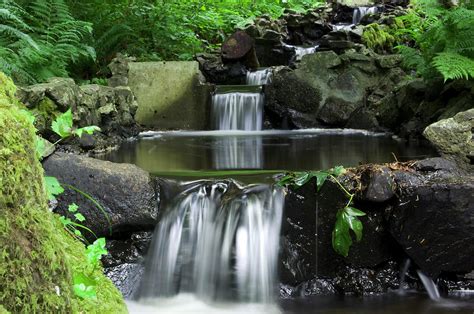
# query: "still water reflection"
[[175, 152]]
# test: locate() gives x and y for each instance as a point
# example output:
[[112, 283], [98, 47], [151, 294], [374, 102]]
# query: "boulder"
[[326, 89], [432, 221], [127, 194], [454, 137]]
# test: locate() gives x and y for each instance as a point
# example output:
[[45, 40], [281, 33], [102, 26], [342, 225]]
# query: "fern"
[[41, 39], [454, 66]]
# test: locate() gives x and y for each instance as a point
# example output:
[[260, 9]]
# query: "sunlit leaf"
[[53, 188], [63, 124]]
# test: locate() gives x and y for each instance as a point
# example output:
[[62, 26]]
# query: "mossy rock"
[[38, 258]]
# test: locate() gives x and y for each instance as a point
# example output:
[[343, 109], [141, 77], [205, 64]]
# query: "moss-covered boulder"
[[37, 257]]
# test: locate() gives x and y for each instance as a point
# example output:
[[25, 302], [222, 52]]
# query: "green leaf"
[[78, 233], [354, 211], [40, 147], [341, 239], [356, 225], [63, 124], [84, 286], [53, 188], [87, 129], [321, 177], [80, 217], [65, 221], [73, 208], [301, 178], [95, 251]]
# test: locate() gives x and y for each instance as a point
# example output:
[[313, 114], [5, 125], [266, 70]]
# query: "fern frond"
[[454, 66]]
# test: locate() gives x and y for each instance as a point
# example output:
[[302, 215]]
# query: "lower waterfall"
[[218, 241]]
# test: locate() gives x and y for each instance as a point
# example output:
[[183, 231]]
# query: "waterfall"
[[360, 12], [238, 111], [430, 286], [259, 77], [218, 241]]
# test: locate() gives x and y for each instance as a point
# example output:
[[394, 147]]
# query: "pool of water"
[[390, 303], [230, 153]]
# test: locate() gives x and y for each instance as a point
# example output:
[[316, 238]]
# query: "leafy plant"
[[85, 284], [347, 218], [444, 44], [40, 39]]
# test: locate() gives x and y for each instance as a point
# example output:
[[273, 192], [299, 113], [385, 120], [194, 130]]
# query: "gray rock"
[[326, 89], [453, 137], [128, 195], [377, 185]]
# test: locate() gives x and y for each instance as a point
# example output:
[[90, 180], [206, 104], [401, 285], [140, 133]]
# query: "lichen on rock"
[[38, 258]]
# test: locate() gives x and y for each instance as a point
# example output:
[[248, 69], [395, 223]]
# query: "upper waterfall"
[[360, 12], [237, 111]]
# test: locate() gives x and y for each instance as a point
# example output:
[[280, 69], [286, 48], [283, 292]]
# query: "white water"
[[360, 12], [217, 241], [259, 77], [238, 111], [430, 286], [189, 303]]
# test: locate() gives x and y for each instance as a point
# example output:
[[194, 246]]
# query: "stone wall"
[[170, 95]]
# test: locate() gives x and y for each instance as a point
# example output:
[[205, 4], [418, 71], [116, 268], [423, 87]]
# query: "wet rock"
[[364, 281], [215, 71], [377, 185], [87, 142], [364, 119], [453, 137], [126, 277], [127, 194], [316, 287], [298, 254], [326, 89], [131, 250], [432, 221]]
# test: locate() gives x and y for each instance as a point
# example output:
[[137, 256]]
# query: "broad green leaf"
[[40, 147], [321, 177], [84, 286], [301, 178], [95, 251], [73, 208], [356, 225], [354, 211], [63, 124], [87, 129], [80, 217], [65, 221], [341, 239], [53, 188]]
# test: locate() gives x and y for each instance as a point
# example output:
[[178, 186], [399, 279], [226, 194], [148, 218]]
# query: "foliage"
[[443, 40], [85, 283], [40, 39], [346, 218], [38, 258], [378, 37]]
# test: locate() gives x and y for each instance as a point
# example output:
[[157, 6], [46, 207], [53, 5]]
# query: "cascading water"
[[218, 241], [238, 111], [360, 12], [430, 286], [259, 77]]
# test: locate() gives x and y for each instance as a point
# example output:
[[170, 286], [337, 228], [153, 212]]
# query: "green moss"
[[45, 113], [377, 37], [37, 257]]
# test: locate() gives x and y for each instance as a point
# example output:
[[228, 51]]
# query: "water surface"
[[229, 153]]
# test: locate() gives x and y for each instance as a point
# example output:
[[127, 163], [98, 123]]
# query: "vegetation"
[[347, 218], [44, 38], [38, 258], [435, 40]]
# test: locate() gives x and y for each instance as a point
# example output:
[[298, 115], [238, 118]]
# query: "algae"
[[37, 257]]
